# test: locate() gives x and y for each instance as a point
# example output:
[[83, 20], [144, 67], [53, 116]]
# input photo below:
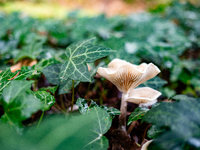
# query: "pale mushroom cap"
[[126, 76], [144, 95]]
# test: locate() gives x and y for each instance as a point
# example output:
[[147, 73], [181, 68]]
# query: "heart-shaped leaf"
[[72, 133]]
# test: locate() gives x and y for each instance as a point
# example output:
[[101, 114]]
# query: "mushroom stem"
[[123, 109]]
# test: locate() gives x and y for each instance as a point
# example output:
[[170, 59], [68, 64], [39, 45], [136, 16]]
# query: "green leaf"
[[111, 111], [154, 131], [17, 104], [72, 133], [65, 86], [52, 73], [25, 72], [154, 83], [138, 113], [51, 89], [181, 121], [84, 108], [46, 98], [78, 55], [176, 71], [182, 97], [21, 108], [44, 63], [5, 77], [14, 89], [30, 51]]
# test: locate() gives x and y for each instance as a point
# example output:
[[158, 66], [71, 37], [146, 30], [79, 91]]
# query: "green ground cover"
[[61, 50]]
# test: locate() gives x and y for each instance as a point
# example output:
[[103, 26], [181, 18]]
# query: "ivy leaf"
[[181, 121], [21, 108], [25, 72], [65, 86], [111, 111], [44, 63], [51, 89], [52, 73], [154, 83], [31, 51], [5, 78], [137, 114], [103, 123], [14, 89], [78, 55], [17, 104], [7, 47], [84, 108], [46, 98], [60, 132]]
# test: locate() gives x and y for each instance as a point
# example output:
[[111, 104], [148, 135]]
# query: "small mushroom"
[[126, 76], [144, 96]]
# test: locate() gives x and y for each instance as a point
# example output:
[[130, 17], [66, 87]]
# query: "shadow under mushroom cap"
[[126, 76]]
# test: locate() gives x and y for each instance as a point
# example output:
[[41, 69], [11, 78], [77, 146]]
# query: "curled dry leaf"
[[89, 68], [126, 76], [24, 62], [145, 145], [143, 96]]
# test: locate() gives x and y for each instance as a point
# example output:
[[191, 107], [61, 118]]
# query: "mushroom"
[[144, 96], [126, 76]]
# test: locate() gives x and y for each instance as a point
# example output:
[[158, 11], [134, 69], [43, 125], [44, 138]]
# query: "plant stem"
[[35, 86], [61, 102], [123, 109], [72, 95], [40, 119]]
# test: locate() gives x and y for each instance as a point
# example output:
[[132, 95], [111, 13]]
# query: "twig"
[[131, 127], [72, 96]]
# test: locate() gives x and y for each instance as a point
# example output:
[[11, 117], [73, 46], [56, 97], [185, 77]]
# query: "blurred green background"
[[59, 8]]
